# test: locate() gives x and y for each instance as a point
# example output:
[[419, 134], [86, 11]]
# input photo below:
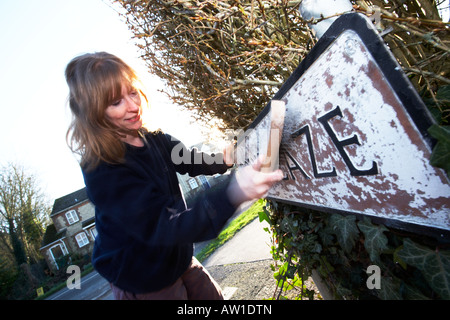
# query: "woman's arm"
[[143, 208], [143, 211]]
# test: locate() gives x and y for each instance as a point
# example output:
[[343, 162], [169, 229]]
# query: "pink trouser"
[[194, 284]]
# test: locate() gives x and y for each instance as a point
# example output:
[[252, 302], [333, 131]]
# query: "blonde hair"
[[95, 81]]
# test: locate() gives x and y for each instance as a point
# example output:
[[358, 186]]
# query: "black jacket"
[[145, 232]]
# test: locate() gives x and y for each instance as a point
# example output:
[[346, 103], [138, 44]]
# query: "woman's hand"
[[250, 183]]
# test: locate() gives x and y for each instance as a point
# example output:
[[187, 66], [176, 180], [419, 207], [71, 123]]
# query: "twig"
[[428, 74], [260, 82]]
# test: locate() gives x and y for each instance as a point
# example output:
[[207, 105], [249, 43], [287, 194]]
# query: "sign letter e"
[[74, 281], [374, 280]]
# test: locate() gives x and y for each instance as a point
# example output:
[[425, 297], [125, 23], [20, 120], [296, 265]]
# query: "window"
[[193, 183], [204, 182], [94, 233], [82, 239], [71, 216]]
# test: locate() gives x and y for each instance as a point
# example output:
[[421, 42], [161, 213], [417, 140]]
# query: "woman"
[[144, 246]]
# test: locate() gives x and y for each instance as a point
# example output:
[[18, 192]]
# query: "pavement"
[[251, 243], [241, 266]]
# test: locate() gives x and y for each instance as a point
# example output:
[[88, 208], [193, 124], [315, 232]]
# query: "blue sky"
[[38, 39]]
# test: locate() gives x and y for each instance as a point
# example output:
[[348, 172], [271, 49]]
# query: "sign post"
[[354, 138]]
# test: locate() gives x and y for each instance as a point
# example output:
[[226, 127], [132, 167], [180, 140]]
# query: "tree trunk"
[[19, 252]]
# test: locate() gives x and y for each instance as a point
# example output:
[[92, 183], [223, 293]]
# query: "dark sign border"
[[397, 80]]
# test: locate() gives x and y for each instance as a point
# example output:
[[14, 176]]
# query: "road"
[[93, 287]]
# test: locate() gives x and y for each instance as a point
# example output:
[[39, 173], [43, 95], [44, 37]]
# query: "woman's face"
[[126, 112]]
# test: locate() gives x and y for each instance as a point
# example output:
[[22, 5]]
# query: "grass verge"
[[233, 227]]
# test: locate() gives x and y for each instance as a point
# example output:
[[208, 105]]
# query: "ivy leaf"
[[264, 215], [439, 104], [434, 265], [440, 156], [443, 94], [412, 293], [345, 230], [375, 241], [389, 290], [290, 225]]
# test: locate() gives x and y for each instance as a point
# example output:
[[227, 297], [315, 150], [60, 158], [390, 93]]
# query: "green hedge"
[[341, 248]]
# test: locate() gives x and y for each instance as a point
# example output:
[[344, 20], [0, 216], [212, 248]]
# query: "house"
[[73, 229], [191, 185]]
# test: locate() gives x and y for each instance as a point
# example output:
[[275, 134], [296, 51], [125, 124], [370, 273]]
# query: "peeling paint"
[[405, 188]]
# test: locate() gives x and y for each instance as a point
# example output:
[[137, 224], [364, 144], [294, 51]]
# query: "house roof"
[[51, 235], [69, 200]]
